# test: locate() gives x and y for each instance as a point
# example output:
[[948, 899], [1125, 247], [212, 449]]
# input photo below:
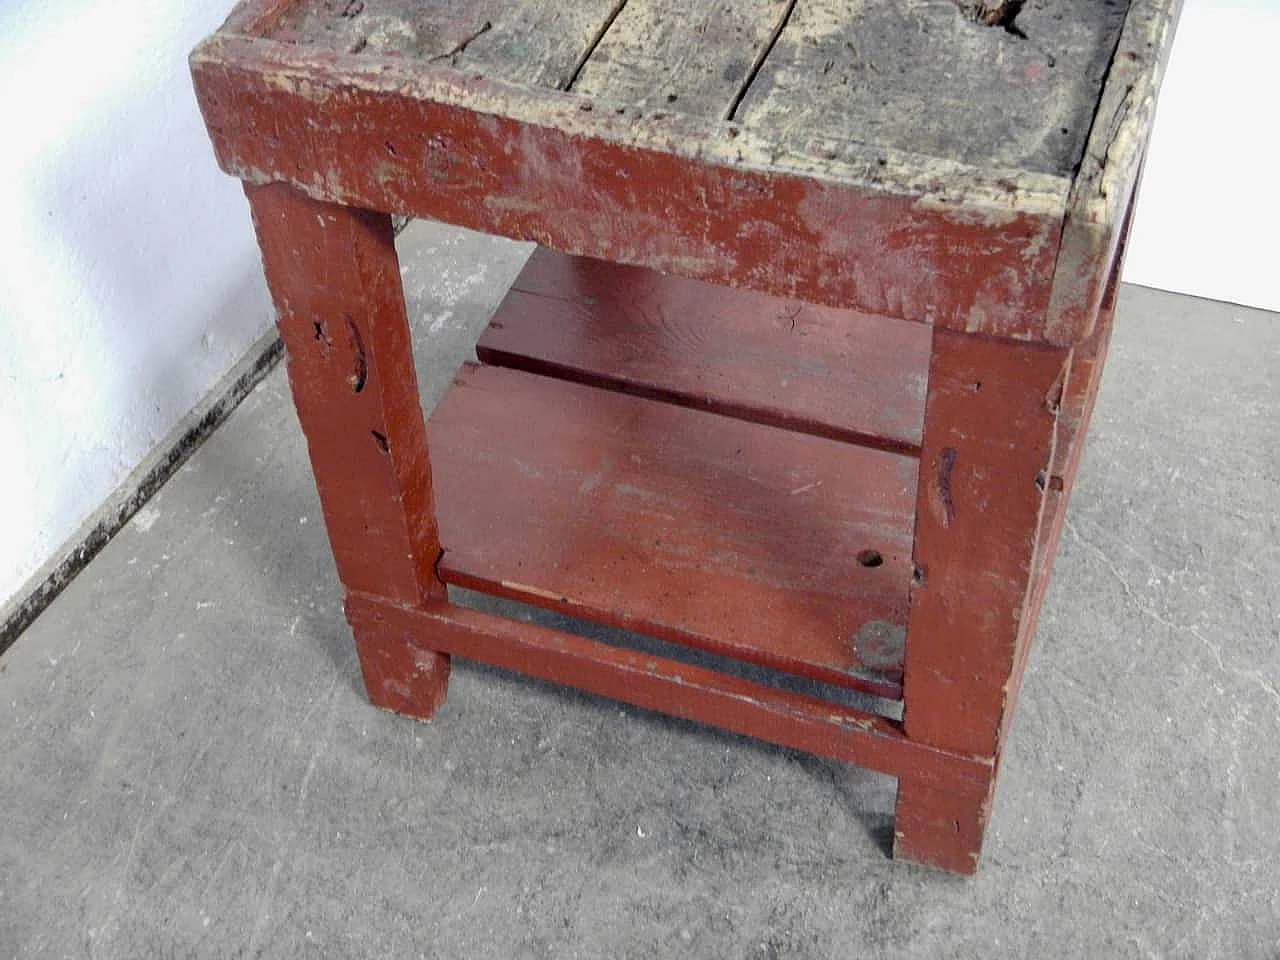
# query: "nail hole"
[[977, 385], [870, 558], [381, 440], [391, 148]]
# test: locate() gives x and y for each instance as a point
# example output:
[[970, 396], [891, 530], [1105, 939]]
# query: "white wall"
[[129, 281], [1209, 212]]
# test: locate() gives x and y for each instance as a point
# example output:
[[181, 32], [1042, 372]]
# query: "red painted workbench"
[[799, 377]]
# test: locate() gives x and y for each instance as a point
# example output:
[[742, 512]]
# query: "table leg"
[[940, 822], [1073, 422], [990, 427], [335, 280]]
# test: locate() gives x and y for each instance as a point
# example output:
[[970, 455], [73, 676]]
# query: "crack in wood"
[[594, 44], [761, 56], [360, 374], [461, 46], [945, 466]]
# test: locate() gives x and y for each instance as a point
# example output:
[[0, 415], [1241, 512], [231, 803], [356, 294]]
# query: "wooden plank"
[[523, 41], [990, 424], [958, 247], [694, 693], [540, 43], [834, 373], [927, 79], [780, 549], [397, 27], [691, 56]]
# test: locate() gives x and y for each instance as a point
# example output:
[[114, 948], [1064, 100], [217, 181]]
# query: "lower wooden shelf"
[[782, 549], [689, 476]]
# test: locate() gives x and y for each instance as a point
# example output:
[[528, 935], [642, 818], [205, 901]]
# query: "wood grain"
[[523, 41], [833, 373], [540, 43], [740, 539], [925, 78], [690, 56]]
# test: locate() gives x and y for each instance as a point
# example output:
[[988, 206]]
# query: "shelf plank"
[[776, 548], [521, 41], [926, 78], [833, 373]]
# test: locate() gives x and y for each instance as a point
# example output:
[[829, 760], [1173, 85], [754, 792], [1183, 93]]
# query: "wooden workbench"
[[799, 379]]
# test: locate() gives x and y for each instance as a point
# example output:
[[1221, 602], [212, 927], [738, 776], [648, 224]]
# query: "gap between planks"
[[594, 44], [732, 111]]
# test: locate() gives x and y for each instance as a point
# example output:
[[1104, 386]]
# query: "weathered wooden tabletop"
[[916, 76], [973, 162]]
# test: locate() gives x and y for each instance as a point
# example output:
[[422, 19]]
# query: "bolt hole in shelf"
[[701, 466]]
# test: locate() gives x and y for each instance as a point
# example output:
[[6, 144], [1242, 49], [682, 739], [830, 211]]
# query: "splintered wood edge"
[[1109, 169], [945, 186]]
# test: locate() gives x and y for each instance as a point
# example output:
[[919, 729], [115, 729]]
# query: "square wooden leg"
[[1076, 409], [335, 279], [939, 821], [989, 436], [401, 672]]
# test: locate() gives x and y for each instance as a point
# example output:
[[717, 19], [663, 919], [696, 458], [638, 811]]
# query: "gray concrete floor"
[[188, 766]]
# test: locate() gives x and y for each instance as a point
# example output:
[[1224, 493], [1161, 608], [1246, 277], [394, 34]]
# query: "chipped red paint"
[[366, 137]]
